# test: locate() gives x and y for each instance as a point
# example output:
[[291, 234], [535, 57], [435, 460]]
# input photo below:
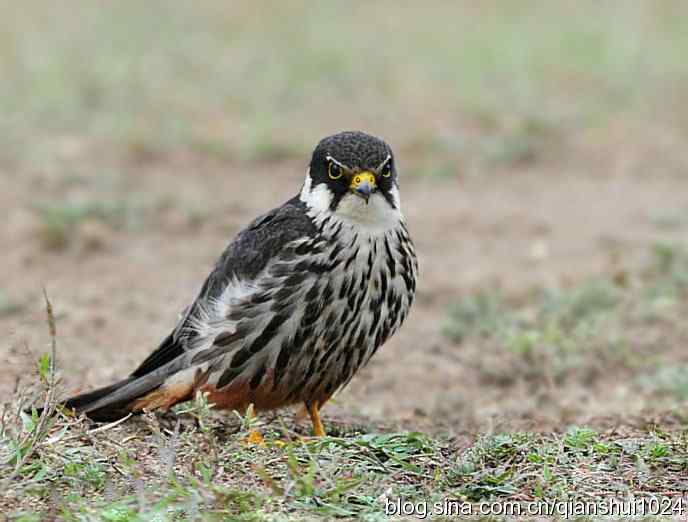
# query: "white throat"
[[375, 216]]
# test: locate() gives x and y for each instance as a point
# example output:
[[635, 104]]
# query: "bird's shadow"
[[278, 424]]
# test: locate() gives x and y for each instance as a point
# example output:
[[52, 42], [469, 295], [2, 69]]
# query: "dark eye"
[[387, 169], [334, 170]]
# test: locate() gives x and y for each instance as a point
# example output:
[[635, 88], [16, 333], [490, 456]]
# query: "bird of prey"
[[298, 302]]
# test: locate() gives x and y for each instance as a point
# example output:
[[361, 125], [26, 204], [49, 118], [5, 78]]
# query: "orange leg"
[[314, 412], [304, 411]]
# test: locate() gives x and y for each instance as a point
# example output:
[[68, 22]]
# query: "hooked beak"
[[363, 185]]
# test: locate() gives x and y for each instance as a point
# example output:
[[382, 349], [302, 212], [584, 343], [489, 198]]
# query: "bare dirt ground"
[[117, 289]]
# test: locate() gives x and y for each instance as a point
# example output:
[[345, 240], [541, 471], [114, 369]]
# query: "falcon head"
[[353, 176]]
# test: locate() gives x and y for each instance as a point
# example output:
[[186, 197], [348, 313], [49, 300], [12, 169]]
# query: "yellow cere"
[[361, 177]]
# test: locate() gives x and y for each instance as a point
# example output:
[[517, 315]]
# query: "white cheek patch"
[[306, 185], [317, 198]]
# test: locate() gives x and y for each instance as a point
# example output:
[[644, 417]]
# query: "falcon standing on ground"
[[298, 302]]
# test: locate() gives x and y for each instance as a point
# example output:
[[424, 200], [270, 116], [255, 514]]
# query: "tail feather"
[[146, 388], [122, 398], [81, 402], [115, 401]]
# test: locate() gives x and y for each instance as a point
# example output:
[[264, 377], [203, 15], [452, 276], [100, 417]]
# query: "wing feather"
[[244, 260]]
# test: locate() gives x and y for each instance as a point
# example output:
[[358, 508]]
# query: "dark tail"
[[85, 403], [145, 388], [117, 400]]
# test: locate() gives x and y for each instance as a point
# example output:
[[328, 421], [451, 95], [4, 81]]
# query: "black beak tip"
[[365, 193]]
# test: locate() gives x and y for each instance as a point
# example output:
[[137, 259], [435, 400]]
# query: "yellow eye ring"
[[334, 170], [387, 170]]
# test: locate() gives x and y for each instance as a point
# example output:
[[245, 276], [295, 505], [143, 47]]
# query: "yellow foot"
[[254, 438]]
